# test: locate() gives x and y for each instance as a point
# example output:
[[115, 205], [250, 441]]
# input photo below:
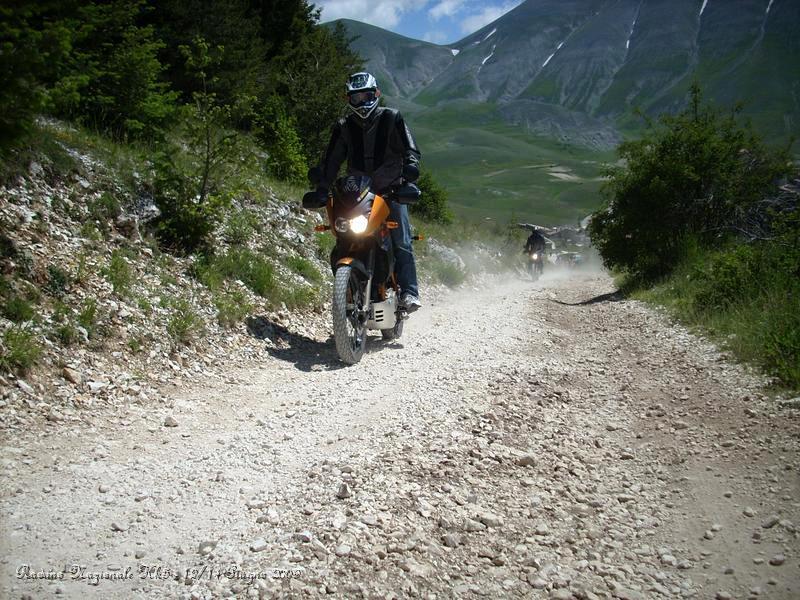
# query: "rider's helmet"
[[362, 94]]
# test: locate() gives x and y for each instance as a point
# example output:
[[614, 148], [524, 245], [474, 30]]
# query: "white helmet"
[[362, 94]]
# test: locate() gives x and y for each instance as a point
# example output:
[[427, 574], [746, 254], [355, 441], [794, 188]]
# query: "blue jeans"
[[404, 264]]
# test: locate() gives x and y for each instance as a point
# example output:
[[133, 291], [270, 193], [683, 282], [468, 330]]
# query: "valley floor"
[[543, 440]]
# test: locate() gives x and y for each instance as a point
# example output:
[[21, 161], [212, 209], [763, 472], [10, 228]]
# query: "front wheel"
[[349, 322]]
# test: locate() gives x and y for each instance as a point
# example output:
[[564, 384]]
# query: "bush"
[[278, 134], [433, 205], [305, 268], [240, 227], [119, 273], [694, 176], [104, 208], [18, 309], [87, 317], [232, 308], [184, 322], [238, 264], [20, 349], [57, 281]]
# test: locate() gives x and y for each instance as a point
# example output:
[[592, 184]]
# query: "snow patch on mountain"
[[490, 34], [455, 51], [769, 6], [544, 64], [702, 8]]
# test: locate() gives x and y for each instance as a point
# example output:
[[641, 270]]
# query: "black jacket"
[[378, 147]]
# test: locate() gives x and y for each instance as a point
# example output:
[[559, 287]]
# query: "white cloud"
[[382, 13], [445, 8], [435, 37], [486, 15]]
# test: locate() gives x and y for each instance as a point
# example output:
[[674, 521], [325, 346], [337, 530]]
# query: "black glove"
[[410, 172], [316, 199]]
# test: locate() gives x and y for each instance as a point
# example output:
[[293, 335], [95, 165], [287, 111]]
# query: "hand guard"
[[316, 199]]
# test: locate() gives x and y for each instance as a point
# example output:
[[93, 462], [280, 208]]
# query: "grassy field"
[[491, 169]]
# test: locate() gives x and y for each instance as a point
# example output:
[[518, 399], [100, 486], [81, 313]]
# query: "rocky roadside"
[[515, 443]]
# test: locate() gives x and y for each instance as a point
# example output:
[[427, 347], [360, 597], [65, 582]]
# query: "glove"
[[316, 199], [410, 172]]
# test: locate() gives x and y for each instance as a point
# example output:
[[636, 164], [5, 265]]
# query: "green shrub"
[[433, 204], [183, 322], [136, 344], [325, 245], [240, 227], [87, 317], [119, 273], [18, 309], [90, 232], [296, 296], [67, 334], [20, 349], [232, 308], [57, 281], [692, 177], [278, 134], [104, 208], [305, 268], [238, 264]]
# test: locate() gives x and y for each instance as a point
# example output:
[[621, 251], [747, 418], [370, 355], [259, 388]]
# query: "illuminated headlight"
[[359, 224], [535, 256], [341, 225]]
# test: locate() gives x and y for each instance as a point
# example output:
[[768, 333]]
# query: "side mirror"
[[315, 175], [313, 200], [407, 194]]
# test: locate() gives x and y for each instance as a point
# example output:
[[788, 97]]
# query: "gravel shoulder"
[[542, 440]]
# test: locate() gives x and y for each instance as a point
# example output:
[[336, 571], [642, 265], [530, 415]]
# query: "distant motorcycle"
[[535, 265]]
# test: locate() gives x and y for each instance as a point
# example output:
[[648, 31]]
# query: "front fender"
[[351, 262]]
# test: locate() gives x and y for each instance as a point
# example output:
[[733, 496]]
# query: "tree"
[[32, 50], [112, 76], [432, 206], [691, 177]]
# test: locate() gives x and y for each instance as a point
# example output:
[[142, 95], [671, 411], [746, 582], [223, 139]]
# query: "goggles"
[[359, 98]]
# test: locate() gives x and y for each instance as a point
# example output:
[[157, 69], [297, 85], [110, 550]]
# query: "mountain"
[[559, 66], [521, 114]]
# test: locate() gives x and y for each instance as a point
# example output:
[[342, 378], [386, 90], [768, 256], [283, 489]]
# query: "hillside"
[[603, 58], [557, 82]]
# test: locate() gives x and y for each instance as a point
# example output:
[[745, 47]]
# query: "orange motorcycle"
[[365, 291]]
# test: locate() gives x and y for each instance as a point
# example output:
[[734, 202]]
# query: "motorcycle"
[[535, 264], [365, 291]]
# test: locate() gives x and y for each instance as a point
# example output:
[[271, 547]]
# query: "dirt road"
[[539, 440]]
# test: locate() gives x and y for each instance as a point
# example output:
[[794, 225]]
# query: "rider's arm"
[[411, 153], [335, 155]]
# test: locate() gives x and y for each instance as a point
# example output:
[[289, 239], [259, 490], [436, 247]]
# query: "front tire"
[[349, 326]]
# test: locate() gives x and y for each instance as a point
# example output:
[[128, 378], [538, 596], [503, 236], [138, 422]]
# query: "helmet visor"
[[361, 98]]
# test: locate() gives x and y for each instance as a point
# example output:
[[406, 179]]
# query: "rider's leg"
[[404, 265]]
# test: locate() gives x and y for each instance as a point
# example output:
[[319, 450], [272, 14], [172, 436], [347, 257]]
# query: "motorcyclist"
[[377, 142], [535, 243]]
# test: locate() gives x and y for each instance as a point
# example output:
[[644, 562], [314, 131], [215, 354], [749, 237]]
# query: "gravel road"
[[544, 440]]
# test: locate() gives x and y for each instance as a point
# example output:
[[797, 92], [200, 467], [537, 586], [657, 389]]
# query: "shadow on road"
[[615, 296], [305, 353]]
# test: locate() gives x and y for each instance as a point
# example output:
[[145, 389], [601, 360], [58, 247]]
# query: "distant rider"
[[535, 243], [377, 142]]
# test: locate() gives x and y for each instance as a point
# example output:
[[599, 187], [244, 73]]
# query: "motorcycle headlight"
[[535, 256], [359, 224]]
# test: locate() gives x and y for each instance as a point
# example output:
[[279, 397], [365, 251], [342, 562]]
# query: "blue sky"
[[438, 21]]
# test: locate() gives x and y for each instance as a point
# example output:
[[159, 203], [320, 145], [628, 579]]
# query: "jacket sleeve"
[[334, 155], [411, 153]]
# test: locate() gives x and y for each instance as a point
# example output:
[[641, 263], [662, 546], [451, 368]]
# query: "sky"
[[438, 21]]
